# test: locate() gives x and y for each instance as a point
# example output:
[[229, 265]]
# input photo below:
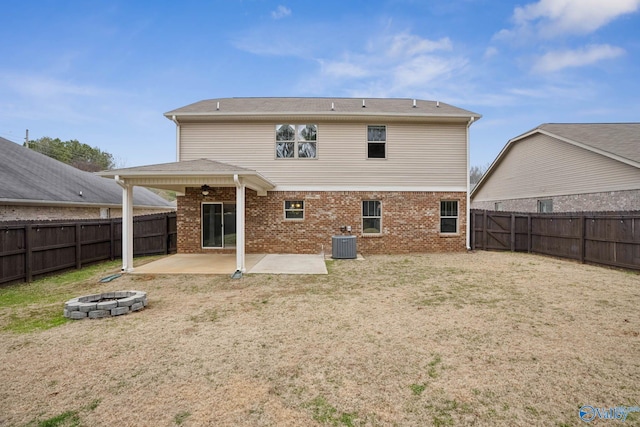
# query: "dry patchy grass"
[[438, 339]]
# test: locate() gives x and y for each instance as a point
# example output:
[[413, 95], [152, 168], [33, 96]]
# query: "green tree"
[[74, 153]]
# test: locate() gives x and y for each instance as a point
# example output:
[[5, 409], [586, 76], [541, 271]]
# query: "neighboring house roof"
[[29, 177], [618, 141], [329, 107]]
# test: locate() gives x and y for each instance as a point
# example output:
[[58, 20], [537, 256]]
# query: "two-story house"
[[283, 175]]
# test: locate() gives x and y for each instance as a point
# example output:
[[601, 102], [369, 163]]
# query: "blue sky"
[[104, 72]]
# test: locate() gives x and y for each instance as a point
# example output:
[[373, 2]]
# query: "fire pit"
[[105, 305]]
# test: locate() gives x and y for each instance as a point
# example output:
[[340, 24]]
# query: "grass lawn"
[[480, 339]]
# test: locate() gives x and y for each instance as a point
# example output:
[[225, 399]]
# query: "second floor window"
[[376, 142], [296, 141]]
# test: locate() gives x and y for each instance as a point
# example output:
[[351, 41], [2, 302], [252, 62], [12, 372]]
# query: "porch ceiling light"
[[205, 190]]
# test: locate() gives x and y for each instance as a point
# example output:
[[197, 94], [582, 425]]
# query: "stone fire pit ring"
[[107, 304]]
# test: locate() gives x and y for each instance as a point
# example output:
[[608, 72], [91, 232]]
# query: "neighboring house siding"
[[410, 221], [47, 213], [628, 200], [540, 166], [429, 156]]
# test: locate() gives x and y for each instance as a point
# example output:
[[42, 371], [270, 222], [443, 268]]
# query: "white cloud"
[[42, 87], [558, 60], [550, 18], [343, 69], [281, 12], [490, 52], [405, 44], [393, 65]]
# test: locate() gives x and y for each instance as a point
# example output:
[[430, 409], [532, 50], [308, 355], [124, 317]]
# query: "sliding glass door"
[[218, 225]]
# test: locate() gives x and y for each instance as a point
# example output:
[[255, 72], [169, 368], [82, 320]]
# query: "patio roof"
[[177, 176]]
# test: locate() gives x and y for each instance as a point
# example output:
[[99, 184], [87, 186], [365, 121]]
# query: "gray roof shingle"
[[620, 139], [31, 176], [316, 106]]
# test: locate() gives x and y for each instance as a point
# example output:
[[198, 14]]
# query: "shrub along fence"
[[30, 249], [609, 238]]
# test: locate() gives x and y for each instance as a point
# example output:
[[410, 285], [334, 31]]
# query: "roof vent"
[[218, 105], [414, 103], [332, 108], [363, 106], [438, 104]]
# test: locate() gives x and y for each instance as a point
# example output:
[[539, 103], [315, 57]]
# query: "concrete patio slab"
[[197, 264], [290, 264], [226, 264]]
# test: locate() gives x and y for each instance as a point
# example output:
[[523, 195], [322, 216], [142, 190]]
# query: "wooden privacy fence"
[[603, 238], [31, 249]]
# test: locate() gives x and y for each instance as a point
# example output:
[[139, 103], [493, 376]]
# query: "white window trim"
[[295, 141], [457, 217], [386, 151], [362, 217], [301, 209]]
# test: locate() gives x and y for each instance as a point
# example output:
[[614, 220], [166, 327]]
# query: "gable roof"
[[32, 178], [177, 176], [618, 141], [326, 107]]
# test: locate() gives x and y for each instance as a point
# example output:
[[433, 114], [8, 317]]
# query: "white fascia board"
[[322, 188]]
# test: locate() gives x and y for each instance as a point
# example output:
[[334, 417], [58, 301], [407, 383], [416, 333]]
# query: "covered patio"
[[225, 264], [178, 176]]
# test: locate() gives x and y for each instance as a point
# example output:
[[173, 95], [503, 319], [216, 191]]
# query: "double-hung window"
[[448, 216], [376, 142], [296, 141], [371, 217]]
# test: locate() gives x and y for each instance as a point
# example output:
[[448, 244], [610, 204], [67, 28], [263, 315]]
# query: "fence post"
[[112, 237], [28, 259], [165, 243], [513, 232], [529, 243], [78, 247], [583, 226], [484, 230]]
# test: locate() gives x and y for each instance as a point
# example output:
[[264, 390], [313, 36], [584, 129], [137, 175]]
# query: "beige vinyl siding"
[[423, 155], [540, 166]]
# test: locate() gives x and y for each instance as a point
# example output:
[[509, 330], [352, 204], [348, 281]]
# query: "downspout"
[[471, 119], [174, 120], [240, 228]]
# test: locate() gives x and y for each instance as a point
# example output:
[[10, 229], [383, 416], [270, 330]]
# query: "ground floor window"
[[218, 225], [545, 206], [448, 216], [371, 216], [294, 209]]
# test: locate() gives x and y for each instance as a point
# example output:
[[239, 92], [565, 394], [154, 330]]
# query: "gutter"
[[175, 120], [119, 181], [65, 204]]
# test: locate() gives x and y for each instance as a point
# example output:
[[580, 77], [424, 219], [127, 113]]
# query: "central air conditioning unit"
[[343, 247]]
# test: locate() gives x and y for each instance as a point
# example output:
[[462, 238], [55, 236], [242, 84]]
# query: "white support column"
[[468, 210], [127, 225], [240, 224]]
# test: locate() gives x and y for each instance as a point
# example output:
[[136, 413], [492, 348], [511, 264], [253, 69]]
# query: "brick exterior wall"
[[410, 221], [47, 213], [610, 201]]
